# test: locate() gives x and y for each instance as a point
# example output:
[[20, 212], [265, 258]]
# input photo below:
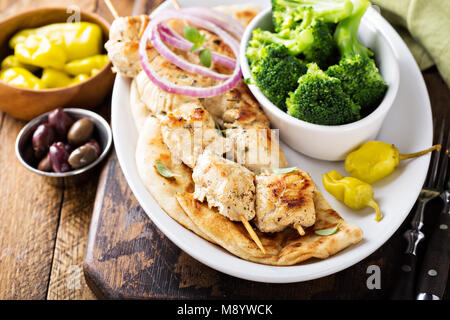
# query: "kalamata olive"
[[59, 157], [60, 121], [45, 164], [68, 148], [82, 156], [43, 137], [95, 144], [80, 132]]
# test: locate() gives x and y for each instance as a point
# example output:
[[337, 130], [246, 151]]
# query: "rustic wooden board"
[[128, 257], [43, 230]]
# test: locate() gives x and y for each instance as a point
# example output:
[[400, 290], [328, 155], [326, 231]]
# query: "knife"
[[433, 275]]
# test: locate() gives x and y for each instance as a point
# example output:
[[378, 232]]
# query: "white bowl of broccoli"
[[308, 64]]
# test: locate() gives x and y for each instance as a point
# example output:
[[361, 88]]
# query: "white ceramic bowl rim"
[[378, 112]]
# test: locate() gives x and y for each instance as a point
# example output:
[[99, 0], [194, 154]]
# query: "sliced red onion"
[[180, 62], [231, 80], [169, 37], [222, 20], [180, 14]]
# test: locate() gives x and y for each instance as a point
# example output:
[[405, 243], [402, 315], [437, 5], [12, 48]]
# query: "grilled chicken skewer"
[[228, 186], [284, 200], [190, 134]]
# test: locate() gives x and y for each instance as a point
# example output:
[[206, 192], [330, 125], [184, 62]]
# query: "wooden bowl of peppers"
[[24, 101]]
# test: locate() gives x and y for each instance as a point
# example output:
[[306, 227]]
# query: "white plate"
[[408, 126]]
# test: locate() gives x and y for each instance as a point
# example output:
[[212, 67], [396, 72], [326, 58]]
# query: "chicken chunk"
[[236, 108], [190, 130], [284, 200], [123, 44], [226, 185], [257, 149]]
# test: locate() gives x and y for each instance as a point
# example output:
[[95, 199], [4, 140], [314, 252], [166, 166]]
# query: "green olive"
[[82, 156], [80, 132]]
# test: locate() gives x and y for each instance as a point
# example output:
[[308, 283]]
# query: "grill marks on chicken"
[[226, 185], [190, 130], [284, 200]]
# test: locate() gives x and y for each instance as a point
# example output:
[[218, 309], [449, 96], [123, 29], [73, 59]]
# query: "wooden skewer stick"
[[253, 234], [299, 228], [112, 9], [176, 4]]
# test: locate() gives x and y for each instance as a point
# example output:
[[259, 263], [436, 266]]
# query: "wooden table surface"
[[44, 230]]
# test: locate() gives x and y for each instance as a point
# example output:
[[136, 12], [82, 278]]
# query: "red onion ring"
[[164, 51], [173, 39], [231, 81]]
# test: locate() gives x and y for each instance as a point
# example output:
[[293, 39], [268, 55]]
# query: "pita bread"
[[151, 148], [282, 248], [176, 198], [244, 13]]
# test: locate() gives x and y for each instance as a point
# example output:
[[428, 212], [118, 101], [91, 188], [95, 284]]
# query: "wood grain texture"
[[28, 223], [43, 229]]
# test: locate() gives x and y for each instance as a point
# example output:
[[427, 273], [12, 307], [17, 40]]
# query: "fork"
[[404, 289], [432, 278]]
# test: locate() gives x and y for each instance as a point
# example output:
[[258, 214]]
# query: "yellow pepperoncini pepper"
[[79, 40], [86, 65], [21, 77], [55, 79], [80, 78], [354, 193], [37, 50], [13, 62], [375, 160]]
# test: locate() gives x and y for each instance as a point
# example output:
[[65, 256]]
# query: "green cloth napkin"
[[424, 25]]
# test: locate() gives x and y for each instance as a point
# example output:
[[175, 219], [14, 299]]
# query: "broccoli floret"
[[276, 72], [320, 99], [361, 81], [287, 14], [323, 49], [359, 75], [295, 41]]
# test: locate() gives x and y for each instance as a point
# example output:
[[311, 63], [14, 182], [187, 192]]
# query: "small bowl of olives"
[[64, 145]]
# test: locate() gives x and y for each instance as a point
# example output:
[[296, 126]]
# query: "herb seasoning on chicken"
[[188, 131], [226, 185]]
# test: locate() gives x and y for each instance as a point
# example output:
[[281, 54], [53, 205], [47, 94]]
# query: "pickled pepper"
[[375, 160], [78, 40], [37, 50], [354, 193], [86, 65], [21, 77]]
